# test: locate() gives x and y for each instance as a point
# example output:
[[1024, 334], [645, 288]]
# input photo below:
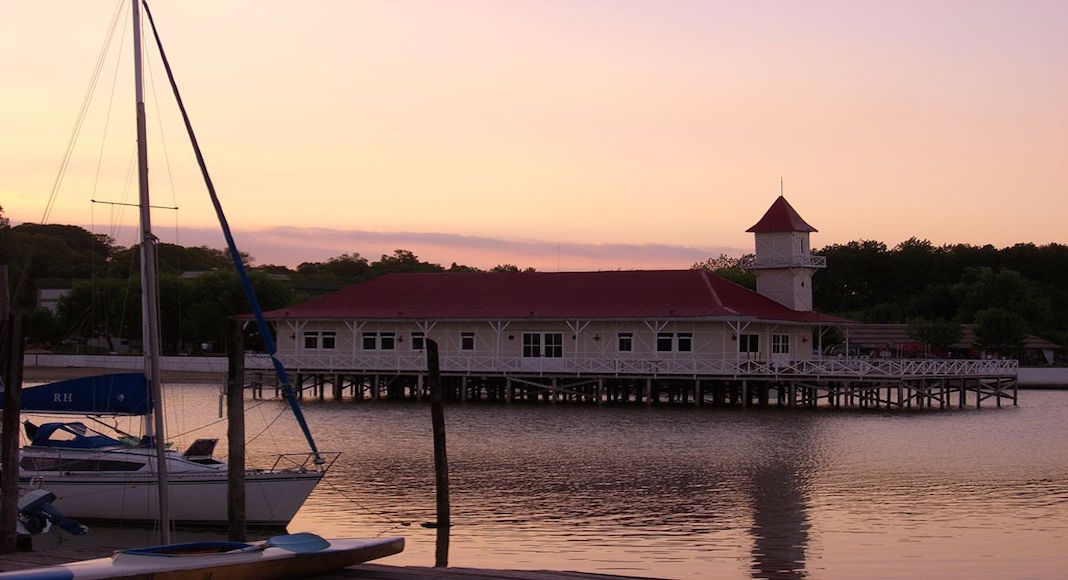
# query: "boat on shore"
[[289, 556]]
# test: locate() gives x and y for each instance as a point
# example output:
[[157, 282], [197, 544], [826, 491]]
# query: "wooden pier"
[[834, 384], [29, 560]]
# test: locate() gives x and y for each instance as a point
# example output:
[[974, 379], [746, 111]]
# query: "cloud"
[[292, 245]]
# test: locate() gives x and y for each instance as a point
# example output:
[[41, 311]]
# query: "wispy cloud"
[[291, 245]]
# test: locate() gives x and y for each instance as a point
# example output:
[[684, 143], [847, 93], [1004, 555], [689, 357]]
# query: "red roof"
[[639, 294], [781, 217]]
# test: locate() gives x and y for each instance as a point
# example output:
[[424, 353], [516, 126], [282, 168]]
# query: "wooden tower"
[[784, 263]]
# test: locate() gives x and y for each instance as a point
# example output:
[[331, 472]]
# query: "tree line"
[[199, 289], [1006, 292]]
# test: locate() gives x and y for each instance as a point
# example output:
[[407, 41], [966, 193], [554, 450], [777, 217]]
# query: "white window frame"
[[387, 341], [328, 340], [665, 339], [684, 338], [746, 341], [369, 340], [780, 344]]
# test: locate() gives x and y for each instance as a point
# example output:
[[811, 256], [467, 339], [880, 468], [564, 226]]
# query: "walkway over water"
[[834, 382]]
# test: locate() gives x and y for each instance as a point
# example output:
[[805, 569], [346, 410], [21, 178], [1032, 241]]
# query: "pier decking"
[[822, 382]]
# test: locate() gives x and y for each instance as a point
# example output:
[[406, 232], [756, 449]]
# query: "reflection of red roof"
[[781, 217], [640, 294]]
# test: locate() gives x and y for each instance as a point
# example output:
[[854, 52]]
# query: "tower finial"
[[780, 186]]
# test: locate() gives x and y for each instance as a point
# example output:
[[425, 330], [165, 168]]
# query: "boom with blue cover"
[[111, 394]]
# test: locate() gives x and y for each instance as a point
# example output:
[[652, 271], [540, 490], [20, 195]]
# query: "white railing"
[[857, 368], [807, 260]]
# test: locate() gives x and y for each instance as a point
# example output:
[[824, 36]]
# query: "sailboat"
[[100, 477]]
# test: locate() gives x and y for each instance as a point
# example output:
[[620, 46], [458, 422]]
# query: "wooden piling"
[[11, 354], [441, 462], [235, 435]]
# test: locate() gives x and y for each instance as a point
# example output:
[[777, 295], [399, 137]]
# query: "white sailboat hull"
[[271, 499]]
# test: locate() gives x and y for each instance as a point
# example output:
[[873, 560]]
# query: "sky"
[[562, 135]]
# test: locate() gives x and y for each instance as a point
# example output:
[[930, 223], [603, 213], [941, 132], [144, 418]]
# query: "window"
[[749, 343], [663, 341], [316, 340], [684, 341], [554, 344], [548, 344], [531, 344], [370, 340], [467, 341], [418, 341], [780, 344], [387, 340], [626, 341]]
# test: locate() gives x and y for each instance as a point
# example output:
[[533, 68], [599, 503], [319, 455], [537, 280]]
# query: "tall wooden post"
[[235, 434], [441, 461], [11, 349]]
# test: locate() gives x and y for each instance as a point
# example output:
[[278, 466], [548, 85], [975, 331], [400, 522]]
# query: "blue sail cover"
[[113, 394]]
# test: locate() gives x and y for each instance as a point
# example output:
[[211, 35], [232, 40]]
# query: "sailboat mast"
[[150, 289]]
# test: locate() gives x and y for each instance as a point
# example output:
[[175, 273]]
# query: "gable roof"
[[638, 294], [781, 217]]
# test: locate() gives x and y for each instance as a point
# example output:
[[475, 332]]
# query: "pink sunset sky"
[[549, 133]]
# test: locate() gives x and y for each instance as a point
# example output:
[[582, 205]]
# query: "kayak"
[[288, 556]]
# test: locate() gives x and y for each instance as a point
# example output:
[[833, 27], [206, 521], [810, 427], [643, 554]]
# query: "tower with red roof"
[[784, 263]]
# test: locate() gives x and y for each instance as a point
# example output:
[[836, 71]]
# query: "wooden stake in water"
[[235, 434], [441, 462], [11, 349]]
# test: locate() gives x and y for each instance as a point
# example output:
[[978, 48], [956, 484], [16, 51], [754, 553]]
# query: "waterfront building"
[[641, 335]]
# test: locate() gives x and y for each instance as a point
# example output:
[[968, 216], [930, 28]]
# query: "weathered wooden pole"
[[235, 434], [441, 461], [11, 349]]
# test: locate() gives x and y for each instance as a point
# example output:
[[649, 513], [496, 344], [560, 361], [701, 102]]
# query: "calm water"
[[692, 493]]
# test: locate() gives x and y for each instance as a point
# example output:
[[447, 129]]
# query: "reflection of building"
[[780, 524], [780, 520]]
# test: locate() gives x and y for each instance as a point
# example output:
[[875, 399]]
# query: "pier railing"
[[846, 367]]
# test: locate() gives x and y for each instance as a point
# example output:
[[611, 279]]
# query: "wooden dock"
[[29, 560]]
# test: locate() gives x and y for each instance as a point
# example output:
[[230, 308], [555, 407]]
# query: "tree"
[[5, 229], [403, 261], [729, 268], [462, 268], [108, 307], [345, 268], [510, 268], [212, 299], [856, 278], [1000, 330], [938, 334]]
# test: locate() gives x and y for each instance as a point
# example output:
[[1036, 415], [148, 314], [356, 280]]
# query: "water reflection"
[[694, 493], [780, 520]]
